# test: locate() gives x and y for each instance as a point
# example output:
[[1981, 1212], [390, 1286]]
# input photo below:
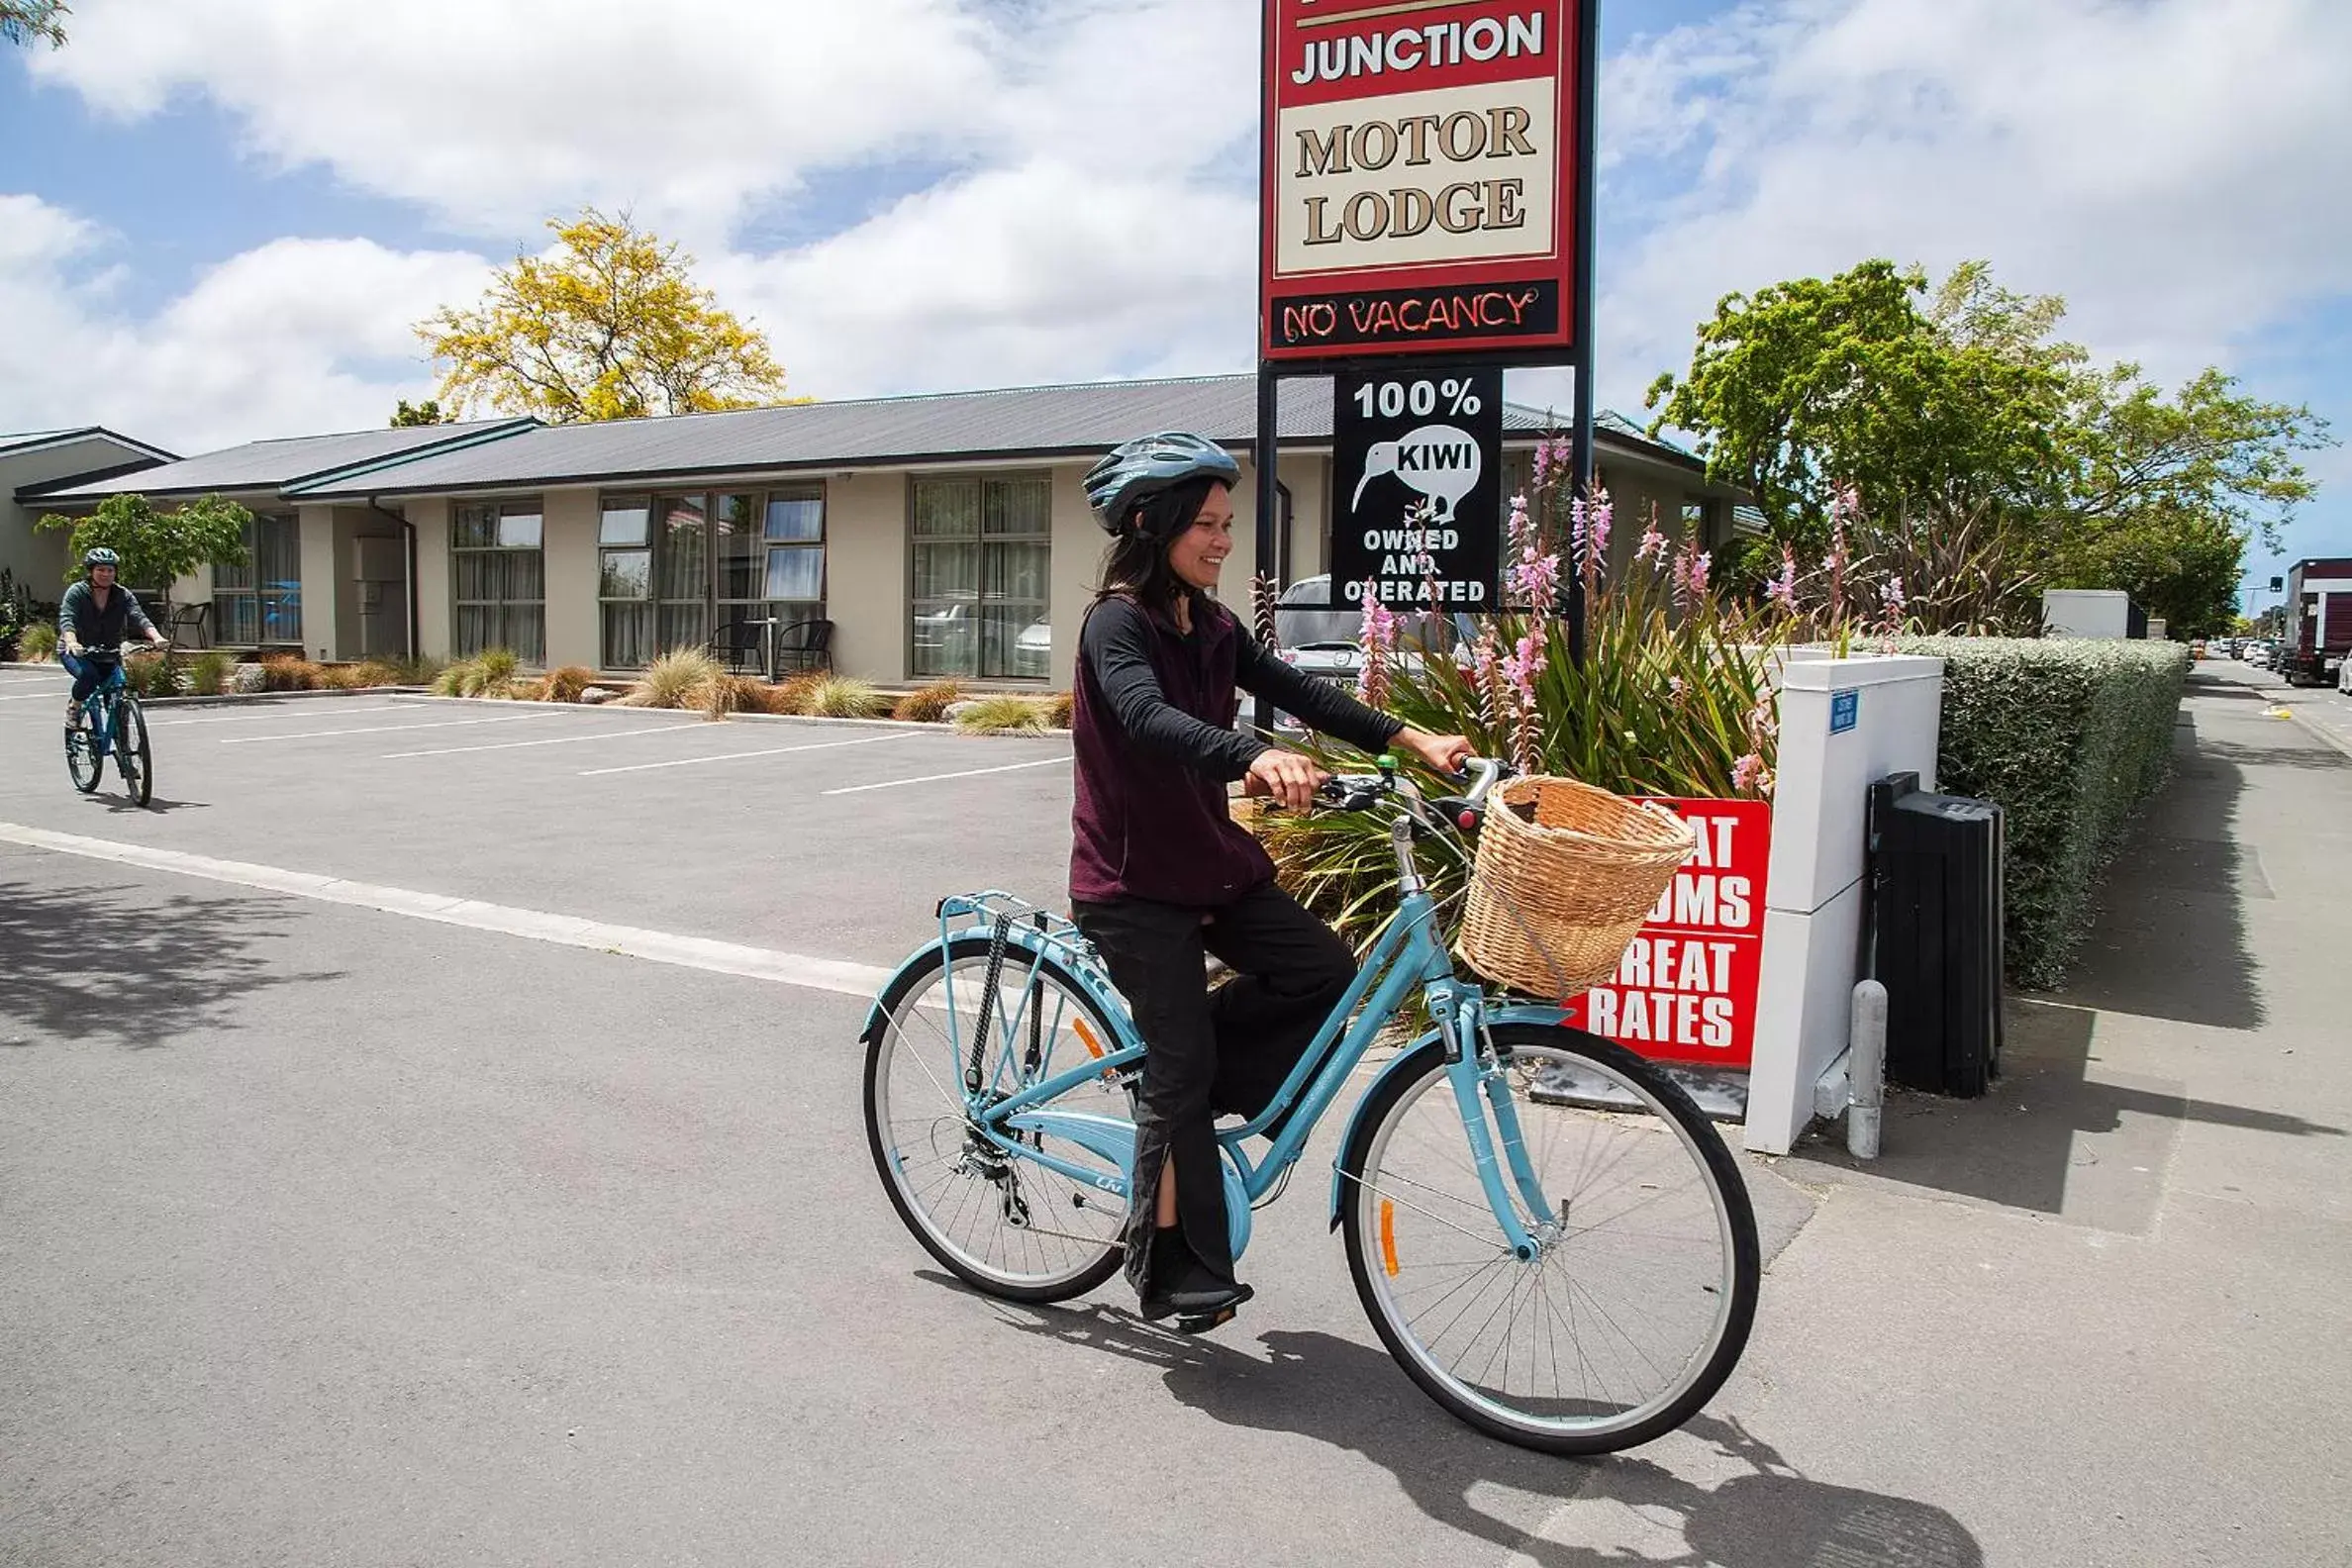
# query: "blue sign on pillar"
[[1846, 711]]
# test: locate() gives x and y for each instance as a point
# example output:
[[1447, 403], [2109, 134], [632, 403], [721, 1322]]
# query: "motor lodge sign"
[[1421, 176]]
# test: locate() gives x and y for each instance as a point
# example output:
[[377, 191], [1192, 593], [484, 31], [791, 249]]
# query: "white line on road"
[[738, 757], [667, 948], [513, 745], [437, 724], [275, 711], [936, 778], [52, 693]]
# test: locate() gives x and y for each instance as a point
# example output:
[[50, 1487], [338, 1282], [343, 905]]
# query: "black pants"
[[1210, 1054]]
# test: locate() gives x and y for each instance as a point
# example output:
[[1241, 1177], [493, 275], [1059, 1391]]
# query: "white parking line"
[[936, 778], [37, 696], [738, 757], [515, 746], [439, 723], [275, 711], [691, 952]]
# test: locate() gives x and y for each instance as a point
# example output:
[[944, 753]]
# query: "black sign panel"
[[1417, 488], [1441, 316]]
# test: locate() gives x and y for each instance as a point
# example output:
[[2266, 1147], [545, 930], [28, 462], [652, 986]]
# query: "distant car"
[[2344, 677], [1324, 640], [1032, 650], [2259, 655]]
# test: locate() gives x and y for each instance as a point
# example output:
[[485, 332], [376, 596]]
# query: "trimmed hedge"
[[2070, 736]]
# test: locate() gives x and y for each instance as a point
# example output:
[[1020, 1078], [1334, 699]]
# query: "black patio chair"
[[805, 645], [740, 643], [192, 619]]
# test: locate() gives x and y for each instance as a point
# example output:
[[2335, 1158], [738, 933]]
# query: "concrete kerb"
[[809, 720], [2290, 698]]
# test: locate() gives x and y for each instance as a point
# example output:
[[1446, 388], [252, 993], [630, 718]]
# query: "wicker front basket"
[[1566, 874]]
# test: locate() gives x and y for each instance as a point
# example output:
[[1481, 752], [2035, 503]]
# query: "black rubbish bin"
[[1935, 933]]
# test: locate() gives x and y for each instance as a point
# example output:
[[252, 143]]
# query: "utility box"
[[2092, 612], [1934, 934]]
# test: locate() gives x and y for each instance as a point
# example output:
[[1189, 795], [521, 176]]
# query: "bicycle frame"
[[1406, 955], [100, 705]]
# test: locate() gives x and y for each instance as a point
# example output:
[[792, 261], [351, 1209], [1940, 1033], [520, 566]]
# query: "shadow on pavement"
[[1355, 1397], [159, 806], [119, 965]]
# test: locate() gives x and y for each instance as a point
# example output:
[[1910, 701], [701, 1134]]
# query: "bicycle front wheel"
[[132, 758], [82, 761], [1638, 1302], [1003, 1222]]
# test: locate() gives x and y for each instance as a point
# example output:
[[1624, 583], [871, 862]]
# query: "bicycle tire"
[[134, 761], [83, 764], [904, 998], [1738, 1270]]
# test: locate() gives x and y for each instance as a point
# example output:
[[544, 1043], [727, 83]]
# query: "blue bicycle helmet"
[[1134, 472], [100, 557]]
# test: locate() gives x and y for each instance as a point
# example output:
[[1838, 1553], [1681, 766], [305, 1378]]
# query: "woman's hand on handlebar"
[[1284, 778], [1445, 753]]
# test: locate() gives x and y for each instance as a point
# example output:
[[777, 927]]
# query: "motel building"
[[942, 536]]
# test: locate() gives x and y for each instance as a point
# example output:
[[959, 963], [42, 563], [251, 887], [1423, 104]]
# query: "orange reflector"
[[1388, 1236], [1086, 1038]]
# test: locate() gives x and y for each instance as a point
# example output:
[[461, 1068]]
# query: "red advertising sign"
[[1685, 990], [1421, 181]]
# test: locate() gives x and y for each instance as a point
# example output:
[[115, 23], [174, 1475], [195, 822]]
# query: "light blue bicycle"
[[1549, 1235]]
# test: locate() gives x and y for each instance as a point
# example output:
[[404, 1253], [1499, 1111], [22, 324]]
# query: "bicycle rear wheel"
[[132, 758], [82, 761], [1004, 1223], [1638, 1304]]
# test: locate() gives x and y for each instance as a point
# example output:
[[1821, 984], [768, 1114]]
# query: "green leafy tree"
[[157, 547], [26, 21], [610, 327], [1811, 385], [409, 415]]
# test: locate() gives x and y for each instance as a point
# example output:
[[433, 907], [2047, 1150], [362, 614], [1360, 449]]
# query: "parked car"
[[2344, 677], [1326, 640], [2259, 655]]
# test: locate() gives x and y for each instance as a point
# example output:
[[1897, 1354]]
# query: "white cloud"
[[296, 337], [2159, 163]]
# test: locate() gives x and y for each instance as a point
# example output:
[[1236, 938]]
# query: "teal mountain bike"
[[112, 725], [1547, 1234]]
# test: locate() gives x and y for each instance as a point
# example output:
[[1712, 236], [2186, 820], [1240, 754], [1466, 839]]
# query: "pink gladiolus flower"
[[1523, 665], [1653, 543], [1894, 596], [1517, 531], [1535, 579], [1604, 516], [1782, 590], [1379, 622], [1576, 528], [1700, 568], [1542, 462], [1746, 773]]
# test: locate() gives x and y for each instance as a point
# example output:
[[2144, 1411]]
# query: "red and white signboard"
[[1685, 990], [1420, 177]]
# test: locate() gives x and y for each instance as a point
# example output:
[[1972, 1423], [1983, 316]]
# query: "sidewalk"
[[2100, 1317]]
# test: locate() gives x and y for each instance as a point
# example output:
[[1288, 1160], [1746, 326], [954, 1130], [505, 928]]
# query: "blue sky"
[[218, 222]]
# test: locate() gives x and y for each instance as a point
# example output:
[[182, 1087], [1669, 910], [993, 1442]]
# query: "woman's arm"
[[1116, 647], [1319, 704]]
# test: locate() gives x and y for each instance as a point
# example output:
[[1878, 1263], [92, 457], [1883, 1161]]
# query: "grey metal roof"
[[1026, 422], [282, 464], [28, 441]]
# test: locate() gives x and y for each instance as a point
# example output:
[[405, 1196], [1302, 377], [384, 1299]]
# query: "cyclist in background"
[[96, 614], [1162, 875]]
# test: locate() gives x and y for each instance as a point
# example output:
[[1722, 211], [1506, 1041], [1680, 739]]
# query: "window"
[[498, 578], [675, 568], [258, 603], [982, 564]]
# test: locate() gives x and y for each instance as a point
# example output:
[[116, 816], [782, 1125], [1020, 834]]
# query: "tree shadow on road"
[[122, 966], [1355, 1397]]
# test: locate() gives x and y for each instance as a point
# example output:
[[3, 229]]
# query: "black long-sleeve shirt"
[[1117, 646], [101, 627]]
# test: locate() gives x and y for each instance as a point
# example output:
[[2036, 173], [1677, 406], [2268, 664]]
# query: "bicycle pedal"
[[1201, 1324]]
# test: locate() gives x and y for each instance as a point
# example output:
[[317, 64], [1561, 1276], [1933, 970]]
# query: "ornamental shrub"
[[2070, 736]]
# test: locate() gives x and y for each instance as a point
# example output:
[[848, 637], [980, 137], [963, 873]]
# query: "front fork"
[[1480, 1072]]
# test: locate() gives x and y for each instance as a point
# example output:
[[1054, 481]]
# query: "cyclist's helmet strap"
[[1150, 465], [100, 557]]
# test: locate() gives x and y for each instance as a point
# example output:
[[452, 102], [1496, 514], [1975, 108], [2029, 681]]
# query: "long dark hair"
[[1136, 566]]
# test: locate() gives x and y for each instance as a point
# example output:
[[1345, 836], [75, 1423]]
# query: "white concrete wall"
[[1813, 921]]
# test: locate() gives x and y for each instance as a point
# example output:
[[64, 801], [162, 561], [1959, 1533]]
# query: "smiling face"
[[102, 576], [1198, 553]]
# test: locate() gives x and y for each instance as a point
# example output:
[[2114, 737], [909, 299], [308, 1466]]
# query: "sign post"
[[1427, 195]]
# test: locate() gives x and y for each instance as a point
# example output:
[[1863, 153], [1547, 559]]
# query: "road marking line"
[[934, 778], [513, 745], [277, 711], [738, 757], [437, 724], [565, 930]]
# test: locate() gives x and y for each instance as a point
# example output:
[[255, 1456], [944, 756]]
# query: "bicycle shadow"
[[116, 805], [1353, 1397]]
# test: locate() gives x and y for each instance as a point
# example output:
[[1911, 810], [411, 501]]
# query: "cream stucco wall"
[[431, 520], [567, 540], [865, 574]]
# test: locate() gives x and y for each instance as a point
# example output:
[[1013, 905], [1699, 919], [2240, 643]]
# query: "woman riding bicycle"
[[95, 616], [1160, 874]]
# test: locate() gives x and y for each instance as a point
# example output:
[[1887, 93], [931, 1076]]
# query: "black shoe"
[[1185, 1288]]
